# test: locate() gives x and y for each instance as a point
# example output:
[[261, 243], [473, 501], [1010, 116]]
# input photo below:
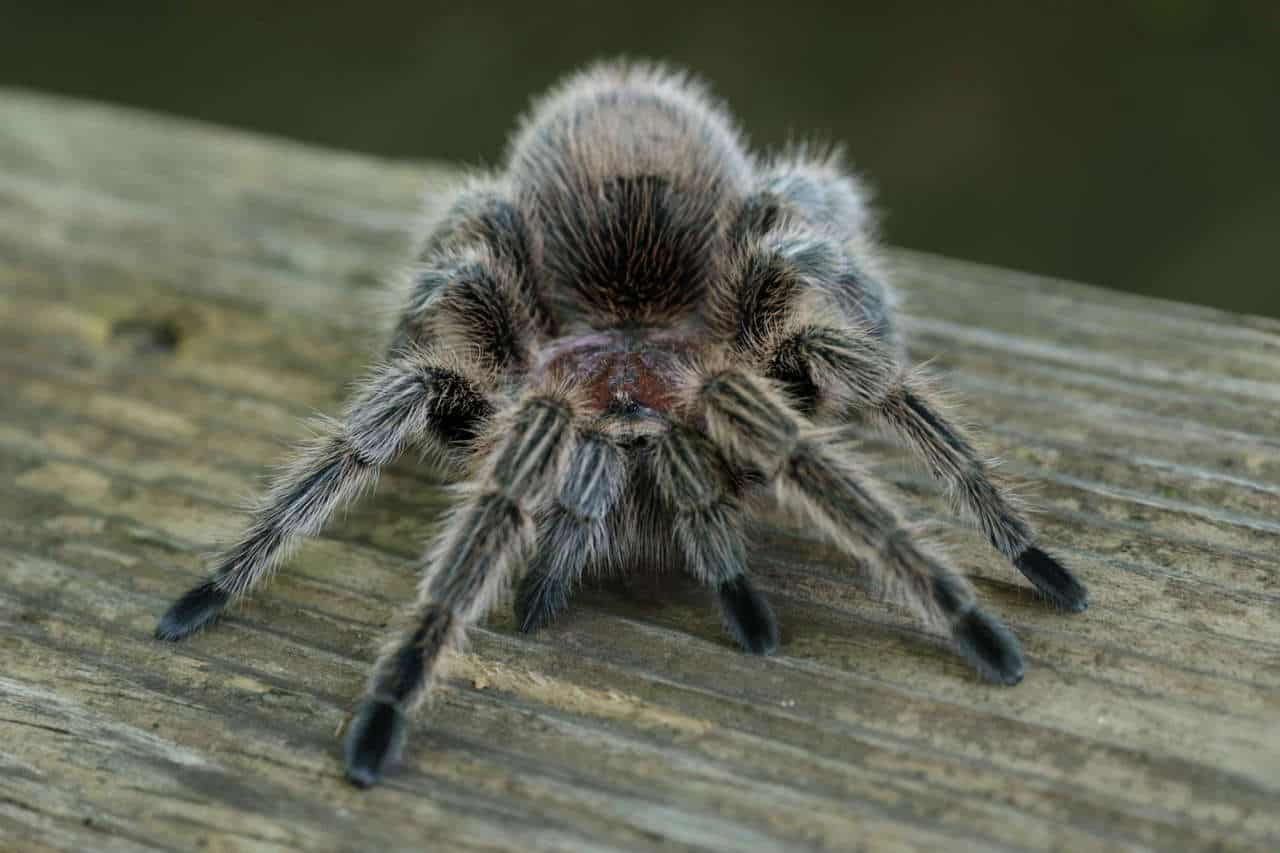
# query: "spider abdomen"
[[629, 176]]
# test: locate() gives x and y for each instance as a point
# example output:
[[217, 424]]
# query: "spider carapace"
[[621, 344]]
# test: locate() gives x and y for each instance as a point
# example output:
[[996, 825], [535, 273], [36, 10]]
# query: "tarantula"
[[616, 342]]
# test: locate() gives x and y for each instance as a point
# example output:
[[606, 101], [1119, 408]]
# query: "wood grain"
[[176, 298]]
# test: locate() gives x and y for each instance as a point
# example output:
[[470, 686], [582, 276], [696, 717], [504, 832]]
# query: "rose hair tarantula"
[[617, 341]]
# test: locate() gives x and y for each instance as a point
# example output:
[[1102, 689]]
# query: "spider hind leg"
[[841, 373], [198, 608], [1053, 579], [750, 421], [414, 399], [952, 458]]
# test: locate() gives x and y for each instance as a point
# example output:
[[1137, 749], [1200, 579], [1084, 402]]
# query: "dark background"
[[1131, 144]]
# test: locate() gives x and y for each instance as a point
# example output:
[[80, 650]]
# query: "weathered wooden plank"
[[174, 298]]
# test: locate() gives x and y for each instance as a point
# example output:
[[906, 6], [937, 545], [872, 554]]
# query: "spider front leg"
[[751, 422], [572, 532], [487, 537], [847, 371], [416, 398], [695, 481]]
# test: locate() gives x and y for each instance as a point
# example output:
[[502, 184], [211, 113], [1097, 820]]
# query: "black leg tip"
[[539, 599], [196, 609], [748, 616], [989, 647], [1053, 580], [362, 778], [373, 743]]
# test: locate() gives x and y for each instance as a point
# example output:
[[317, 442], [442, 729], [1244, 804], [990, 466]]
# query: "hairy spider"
[[616, 341]]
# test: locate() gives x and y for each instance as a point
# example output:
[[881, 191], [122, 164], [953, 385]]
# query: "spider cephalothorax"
[[615, 339]]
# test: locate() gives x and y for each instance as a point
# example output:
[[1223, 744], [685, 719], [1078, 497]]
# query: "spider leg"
[[414, 398], [572, 530], [794, 264], [489, 534], [473, 286], [807, 185], [911, 413], [807, 227], [751, 422], [694, 480], [848, 372], [471, 293]]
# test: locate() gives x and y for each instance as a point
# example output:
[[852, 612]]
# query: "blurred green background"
[[1131, 144]]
